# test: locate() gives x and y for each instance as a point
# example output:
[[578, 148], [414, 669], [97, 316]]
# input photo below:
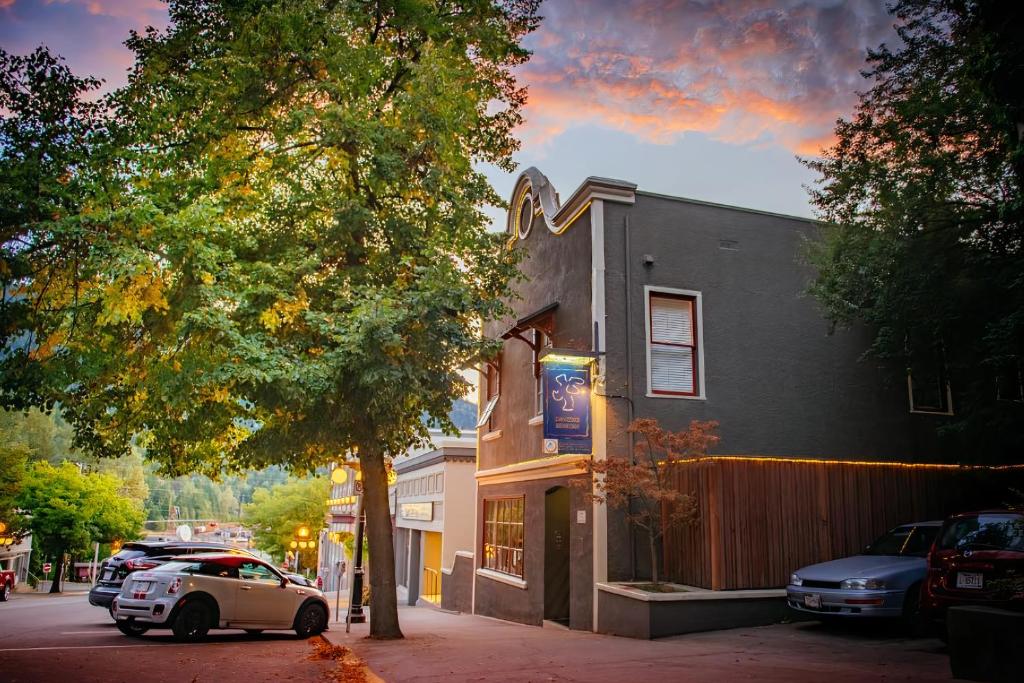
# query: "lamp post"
[[302, 541], [355, 613]]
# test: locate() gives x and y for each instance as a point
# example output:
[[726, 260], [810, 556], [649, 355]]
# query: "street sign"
[[47, 567], [185, 532]]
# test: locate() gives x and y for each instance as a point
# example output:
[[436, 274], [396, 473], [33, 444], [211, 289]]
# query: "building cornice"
[[559, 216], [433, 457]]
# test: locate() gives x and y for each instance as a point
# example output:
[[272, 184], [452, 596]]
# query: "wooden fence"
[[762, 518]]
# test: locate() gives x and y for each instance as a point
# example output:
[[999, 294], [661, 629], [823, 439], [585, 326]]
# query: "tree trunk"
[[654, 556], [58, 573], [383, 596]]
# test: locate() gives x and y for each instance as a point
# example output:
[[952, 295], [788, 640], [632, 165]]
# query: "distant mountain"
[[462, 414]]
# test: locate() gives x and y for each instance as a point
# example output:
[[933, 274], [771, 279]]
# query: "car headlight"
[[862, 584], [795, 580]]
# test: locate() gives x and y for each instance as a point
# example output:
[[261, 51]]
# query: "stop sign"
[[47, 567]]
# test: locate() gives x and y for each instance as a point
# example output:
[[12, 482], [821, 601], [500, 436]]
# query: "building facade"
[[433, 500], [676, 310]]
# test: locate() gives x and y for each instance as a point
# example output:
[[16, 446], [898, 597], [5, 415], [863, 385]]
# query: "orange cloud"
[[753, 72]]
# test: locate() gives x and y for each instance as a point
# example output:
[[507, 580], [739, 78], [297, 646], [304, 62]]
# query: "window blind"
[[673, 347]]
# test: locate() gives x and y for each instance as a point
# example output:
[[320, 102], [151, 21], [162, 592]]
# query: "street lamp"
[[300, 542]]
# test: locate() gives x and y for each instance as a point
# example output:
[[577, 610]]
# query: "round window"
[[525, 214]]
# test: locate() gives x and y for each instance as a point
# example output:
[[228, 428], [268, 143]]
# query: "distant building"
[[433, 499], [15, 557]]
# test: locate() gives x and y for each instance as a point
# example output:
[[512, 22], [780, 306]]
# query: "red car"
[[977, 559]]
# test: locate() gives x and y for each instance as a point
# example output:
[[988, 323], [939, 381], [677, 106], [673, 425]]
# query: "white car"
[[190, 595]]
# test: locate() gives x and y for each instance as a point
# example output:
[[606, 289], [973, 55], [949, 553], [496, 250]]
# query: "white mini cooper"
[[190, 595]]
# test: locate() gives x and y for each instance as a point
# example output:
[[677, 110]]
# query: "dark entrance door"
[[556, 555]]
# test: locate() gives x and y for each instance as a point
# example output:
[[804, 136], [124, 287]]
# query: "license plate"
[[142, 586], [969, 580], [812, 601], [108, 575]]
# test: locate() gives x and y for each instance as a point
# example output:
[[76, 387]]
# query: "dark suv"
[[144, 555], [977, 559]]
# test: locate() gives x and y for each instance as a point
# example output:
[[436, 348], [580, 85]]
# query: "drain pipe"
[[629, 385]]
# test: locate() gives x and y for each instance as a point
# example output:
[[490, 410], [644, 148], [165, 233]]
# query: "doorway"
[[556, 555], [431, 584]]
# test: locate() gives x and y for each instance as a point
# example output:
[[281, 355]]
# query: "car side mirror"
[[284, 583]]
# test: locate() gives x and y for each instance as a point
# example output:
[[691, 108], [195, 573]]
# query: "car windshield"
[[905, 540], [984, 532]]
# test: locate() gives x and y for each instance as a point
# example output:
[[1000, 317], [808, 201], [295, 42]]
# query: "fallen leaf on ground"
[[350, 668]]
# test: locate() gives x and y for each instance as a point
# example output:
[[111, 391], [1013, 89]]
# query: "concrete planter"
[[627, 611]]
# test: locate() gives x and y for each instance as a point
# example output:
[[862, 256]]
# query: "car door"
[[260, 598]]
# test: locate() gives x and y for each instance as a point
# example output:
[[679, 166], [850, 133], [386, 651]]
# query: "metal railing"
[[431, 585]]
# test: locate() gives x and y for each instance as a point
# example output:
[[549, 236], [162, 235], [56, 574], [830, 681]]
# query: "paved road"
[[65, 639]]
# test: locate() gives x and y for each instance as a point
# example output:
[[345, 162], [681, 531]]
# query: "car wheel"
[[312, 621], [5, 593], [254, 631], [192, 622], [130, 627]]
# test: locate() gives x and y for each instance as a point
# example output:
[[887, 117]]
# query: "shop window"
[[503, 535]]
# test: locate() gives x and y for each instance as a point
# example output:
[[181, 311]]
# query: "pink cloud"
[[758, 71]]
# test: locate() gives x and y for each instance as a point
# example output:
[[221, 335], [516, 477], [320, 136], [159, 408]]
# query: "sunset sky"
[[710, 99]]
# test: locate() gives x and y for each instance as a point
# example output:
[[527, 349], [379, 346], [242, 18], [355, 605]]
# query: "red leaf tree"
[[641, 486]]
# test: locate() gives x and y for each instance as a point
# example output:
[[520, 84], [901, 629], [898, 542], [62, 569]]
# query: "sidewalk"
[[439, 646], [70, 588]]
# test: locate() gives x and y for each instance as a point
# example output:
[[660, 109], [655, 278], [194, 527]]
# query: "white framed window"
[[675, 343], [524, 216], [503, 535], [1010, 381], [928, 388], [492, 380], [929, 391], [541, 341]]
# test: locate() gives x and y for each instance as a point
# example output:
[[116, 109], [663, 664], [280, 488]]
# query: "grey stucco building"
[[681, 310]]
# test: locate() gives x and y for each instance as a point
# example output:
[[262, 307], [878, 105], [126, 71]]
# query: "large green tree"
[[276, 513], [67, 510], [922, 196], [13, 457], [279, 252]]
